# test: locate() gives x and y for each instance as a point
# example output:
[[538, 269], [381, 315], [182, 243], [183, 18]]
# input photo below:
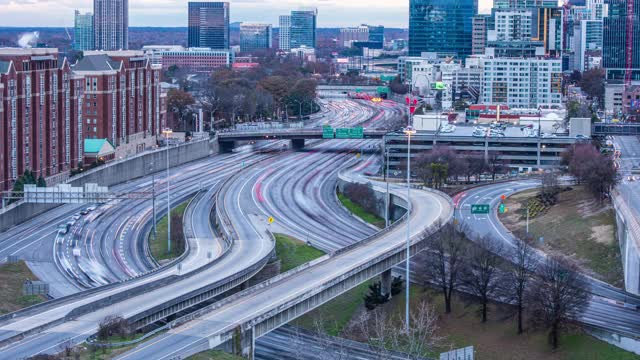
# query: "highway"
[[602, 312], [108, 225], [205, 332]]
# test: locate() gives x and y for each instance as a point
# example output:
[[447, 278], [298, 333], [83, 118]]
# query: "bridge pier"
[[385, 282], [297, 144], [244, 343], [227, 146]]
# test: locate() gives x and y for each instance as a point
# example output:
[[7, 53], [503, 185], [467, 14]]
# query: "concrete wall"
[[397, 206], [628, 249], [111, 174]]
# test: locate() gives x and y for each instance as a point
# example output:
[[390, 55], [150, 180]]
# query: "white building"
[[521, 82], [284, 36], [511, 25], [154, 52]]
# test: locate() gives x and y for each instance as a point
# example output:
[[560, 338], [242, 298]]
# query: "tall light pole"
[[167, 132], [408, 131], [386, 179]]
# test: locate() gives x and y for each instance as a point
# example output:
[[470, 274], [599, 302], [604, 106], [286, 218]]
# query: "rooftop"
[[13, 51], [99, 62], [93, 146]]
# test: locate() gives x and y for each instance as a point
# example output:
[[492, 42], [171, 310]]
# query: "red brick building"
[[122, 96], [40, 106]]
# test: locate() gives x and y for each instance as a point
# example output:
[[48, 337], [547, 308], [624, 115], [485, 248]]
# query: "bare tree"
[[549, 182], [519, 276], [558, 296], [444, 261], [113, 325], [377, 329], [422, 335], [481, 273]]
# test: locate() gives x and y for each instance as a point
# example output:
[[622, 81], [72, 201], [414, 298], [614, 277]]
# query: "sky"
[[331, 13]]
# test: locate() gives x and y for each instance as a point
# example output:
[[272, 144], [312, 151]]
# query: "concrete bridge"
[[227, 140], [604, 129]]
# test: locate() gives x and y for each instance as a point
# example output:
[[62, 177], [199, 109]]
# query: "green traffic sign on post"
[[342, 133], [480, 209], [503, 209], [327, 132], [356, 133]]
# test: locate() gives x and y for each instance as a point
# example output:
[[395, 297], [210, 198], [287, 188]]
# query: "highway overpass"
[[235, 322], [227, 140], [604, 129]]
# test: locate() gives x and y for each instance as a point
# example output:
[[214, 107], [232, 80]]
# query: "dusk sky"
[[332, 13]]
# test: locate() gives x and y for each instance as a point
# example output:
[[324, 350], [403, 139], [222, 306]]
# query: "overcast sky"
[[332, 13]]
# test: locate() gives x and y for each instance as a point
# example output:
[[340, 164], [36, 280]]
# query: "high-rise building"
[[587, 41], [512, 25], [303, 28], [480, 24], [442, 26], [376, 35], [521, 82], [284, 33], [122, 91], [209, 25], [523, 4], [83, 32], [111, 24], [548, 28], [255, 37], [350, 35], [614, 40], [41, 106]]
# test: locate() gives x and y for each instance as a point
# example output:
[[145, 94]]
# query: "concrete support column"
[[385, 281], [297, 144], [244, 343]]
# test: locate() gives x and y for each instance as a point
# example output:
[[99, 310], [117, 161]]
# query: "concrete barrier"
[[111, 174]]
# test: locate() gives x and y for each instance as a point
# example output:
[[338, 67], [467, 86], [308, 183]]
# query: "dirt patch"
[[577, 226]]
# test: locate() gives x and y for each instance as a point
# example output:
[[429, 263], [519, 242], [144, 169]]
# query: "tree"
[[577, 109], [444, 261], [41, 182], [178, 102], [597, 171], [398, 87], [495, 165], [592, 83], [375, 296], [558, 296], [113, 325], [519, 276], [481, 274], [549, 182], [363, 195]]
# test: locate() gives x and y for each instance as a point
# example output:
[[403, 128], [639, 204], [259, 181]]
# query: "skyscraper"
[[83, 32], [209, 25], [255, 37], [442, 26], [111, 24], [614, 40], [284, 35], [303, 28]]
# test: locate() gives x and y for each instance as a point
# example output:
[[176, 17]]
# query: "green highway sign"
[[503, 209], [356, 133], [480, 209], [327, 132], [342, 133]]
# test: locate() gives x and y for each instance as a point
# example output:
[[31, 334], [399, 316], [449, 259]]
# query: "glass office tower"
[[303, 28], [442, 26]]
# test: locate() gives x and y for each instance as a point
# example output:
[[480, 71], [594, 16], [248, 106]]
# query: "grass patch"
[[214, 355], [334, 316], [158, 247], [293, 252], [497, 339], [12, 276], [577, 226], [358, 211]]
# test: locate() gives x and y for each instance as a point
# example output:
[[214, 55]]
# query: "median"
[[159, 246]]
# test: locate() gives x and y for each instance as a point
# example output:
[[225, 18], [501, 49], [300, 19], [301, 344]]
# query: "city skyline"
[[171, 13]]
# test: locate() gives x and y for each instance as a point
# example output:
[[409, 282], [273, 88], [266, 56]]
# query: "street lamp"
[[167, 132], [409, 130], [153, 200]]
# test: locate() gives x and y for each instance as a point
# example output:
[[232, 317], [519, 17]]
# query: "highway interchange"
[[296, 188]]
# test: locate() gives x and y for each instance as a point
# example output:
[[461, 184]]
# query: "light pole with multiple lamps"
[[167, 132]]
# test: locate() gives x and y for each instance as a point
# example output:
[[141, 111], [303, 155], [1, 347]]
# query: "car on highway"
[[63, 229]]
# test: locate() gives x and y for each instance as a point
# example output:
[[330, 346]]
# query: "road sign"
[[480, 208], [503, 208], [327, 132], [356, 133], [342, 133], [503, 197], [271, 220]]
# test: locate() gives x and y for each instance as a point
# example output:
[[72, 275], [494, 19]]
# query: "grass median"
[[358, 211], [12, 276], [159, 246], [577, 226]]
